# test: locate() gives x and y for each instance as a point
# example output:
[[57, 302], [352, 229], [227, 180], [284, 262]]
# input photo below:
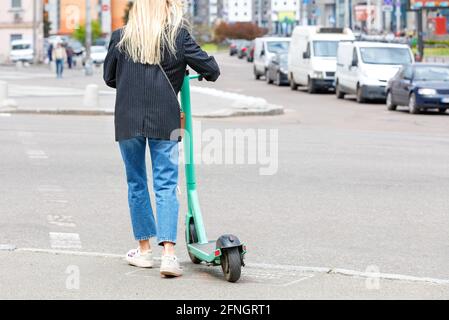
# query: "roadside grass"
[[213, 48], [434, 52]]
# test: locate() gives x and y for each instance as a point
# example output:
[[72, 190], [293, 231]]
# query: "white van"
[[312, 59], [364, 67], [21, 50], [264, 50]]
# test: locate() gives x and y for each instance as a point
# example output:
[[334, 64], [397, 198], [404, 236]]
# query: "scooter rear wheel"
[[193, 239], [231, 264]]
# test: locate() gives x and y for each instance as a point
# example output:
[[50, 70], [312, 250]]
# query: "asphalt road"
[[356, 188]]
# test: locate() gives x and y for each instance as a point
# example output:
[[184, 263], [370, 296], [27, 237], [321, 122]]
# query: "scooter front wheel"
[[231, 264]]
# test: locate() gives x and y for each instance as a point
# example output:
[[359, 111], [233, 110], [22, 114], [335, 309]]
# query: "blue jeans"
[[164, 159], [59, 67]]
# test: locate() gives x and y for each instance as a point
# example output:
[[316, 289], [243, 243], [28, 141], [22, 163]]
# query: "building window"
[[15, 36], [16, 4]]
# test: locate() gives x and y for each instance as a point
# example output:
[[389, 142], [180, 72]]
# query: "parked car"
[[78, 48], [313, 56], [234, 46], [98, 54], [364, 68], [277, 71], [243, 48], [420, 86], [265, 49], [250, 56], [21, 50]]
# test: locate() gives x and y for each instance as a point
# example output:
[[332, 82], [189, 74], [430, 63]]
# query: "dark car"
[[243, 49], [420, 86], [233, 47], [250, 55], [277, 70]]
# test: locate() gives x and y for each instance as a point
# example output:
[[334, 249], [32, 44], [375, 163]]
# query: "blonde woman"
[[146, 63]]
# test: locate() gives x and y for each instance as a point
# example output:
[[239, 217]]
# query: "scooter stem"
[[192, 196]]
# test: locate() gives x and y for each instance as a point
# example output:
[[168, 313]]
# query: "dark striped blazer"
[[146, 98]]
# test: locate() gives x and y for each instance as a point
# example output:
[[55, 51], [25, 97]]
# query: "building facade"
[[21, 19], [67, 15]]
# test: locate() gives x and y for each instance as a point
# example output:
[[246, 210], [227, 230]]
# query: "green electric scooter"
[[227, 250]]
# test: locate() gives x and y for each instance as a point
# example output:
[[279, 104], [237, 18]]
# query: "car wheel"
[[267, 78], [413, 108], [389, 101], [442, 110], [340, 94], [256, 75], [359, 95], [278, 79], [293, 84], [311, 88]]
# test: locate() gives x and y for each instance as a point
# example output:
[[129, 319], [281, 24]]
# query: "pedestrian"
[[50, 52], [146, 63], [69, 52], [60, 56]]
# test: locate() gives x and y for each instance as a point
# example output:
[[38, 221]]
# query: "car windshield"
[[325, 48], [379, 55], [277, 46], [98, 49], [23, 46], [432, 73]]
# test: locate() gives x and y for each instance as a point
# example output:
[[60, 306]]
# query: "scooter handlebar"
[[196, 76]]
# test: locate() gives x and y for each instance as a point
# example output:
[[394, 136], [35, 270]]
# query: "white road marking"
[[61, 220], [5, 115], [25, 134], [49, 188], [36, 154], [72, 253], [355, 273], [57, 201], [61, 240], [298, 280]]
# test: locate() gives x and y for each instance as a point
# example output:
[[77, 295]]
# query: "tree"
[[127, 9], [238, 30], [80, 33]]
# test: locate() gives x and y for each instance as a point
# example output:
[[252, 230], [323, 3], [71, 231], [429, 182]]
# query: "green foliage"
[[80, 33]]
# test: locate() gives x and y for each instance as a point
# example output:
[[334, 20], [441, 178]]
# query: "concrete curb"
[[225, 113]]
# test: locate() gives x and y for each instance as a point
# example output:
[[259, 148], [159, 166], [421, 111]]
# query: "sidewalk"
[[35, 90], [43, 275]]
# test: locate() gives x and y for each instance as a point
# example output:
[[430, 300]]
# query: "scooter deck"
[[204, 251], [205, 247]]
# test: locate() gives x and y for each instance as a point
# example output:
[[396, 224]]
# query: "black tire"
[[359, 95], [413, 108], [193, 239], [256, 75], [267, 77], [311, 88], [293, 84], [231, 264], [278, 79], [389, 101], [340, 94], [442, 110]]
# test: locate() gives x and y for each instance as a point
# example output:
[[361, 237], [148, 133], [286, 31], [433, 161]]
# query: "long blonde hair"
[[153, 25]]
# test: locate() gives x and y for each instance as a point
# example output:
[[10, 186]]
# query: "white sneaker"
[[138, 259], [170, 266]]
